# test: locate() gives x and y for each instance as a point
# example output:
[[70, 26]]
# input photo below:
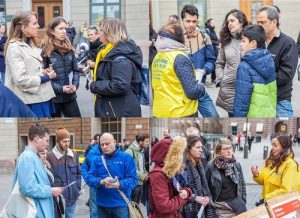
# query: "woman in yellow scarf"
[[117, 75]]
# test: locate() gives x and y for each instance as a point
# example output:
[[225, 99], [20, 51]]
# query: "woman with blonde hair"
[[25, 74], [278, 175], [167, 192], [58, 54], [117, 76], [226, 181]]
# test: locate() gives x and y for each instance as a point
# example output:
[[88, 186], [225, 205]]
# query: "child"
[[255, 88]]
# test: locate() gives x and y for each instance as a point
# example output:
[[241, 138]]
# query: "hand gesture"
[[90, 63], [67, 89], [50, 73], [254, 170], [73, 88], [183, 194]]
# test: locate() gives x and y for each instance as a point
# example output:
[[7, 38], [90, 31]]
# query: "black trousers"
[[136, 194], [69, 109]]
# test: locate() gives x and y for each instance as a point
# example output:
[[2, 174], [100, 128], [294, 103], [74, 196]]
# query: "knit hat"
[[160, 150], [61, 134]]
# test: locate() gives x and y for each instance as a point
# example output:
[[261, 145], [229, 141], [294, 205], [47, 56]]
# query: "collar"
[[59, 155], [276, 36]]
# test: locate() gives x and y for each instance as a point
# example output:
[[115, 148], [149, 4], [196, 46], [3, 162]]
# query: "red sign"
[[286, 208]]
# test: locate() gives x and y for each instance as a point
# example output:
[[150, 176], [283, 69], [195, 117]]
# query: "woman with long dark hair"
[[229, 58], [201, 196], [279, 175], [59, 55], [226, 181]]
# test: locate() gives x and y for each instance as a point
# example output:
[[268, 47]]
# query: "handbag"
[[18, 206], [134, 208]]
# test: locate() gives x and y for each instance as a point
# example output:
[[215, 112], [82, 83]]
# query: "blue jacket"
[[33, 181], [63, 65], [121, 165], [67, 167], [11, 105], [86, 165], [255, 91]]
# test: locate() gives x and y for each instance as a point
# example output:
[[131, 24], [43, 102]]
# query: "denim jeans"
[[92, 203], [113, 212], [206, 106], [2, 75], [70, 211], [284, 109]]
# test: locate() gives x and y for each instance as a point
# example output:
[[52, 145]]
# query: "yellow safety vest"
[[169, 99]]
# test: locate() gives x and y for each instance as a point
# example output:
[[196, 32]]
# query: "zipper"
[[112, 109]]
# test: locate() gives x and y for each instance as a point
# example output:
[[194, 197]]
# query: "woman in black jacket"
[[117, 76], [58, 54], [201, 196], [226, 181]]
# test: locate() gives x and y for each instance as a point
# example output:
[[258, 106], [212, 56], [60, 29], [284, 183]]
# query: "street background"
[[253, 190]]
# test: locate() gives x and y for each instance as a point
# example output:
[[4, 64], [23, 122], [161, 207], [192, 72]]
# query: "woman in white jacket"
[[25, 75]]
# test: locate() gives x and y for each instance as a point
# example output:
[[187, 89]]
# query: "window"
[[199, 4], [2, 11], [250, 7], [101, 9], [41, 16], [112, 125]]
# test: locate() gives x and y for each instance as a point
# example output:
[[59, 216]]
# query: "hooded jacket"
[[255, 91], [118, 82], [164, 199], [175, 89]]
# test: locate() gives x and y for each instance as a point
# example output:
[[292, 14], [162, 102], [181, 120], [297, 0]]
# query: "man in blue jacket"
[[201, 53], [123, 177], [93, 153]]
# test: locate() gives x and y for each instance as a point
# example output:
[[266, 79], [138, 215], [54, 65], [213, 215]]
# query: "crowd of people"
[[254, 66], [54, 179], [184, 183], [47, 76]]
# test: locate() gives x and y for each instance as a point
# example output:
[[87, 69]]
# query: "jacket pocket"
[[73, 168]]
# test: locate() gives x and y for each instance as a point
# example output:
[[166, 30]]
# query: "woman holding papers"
[[201, 197]]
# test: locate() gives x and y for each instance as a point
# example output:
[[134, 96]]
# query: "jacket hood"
[[129, 50], [167, 44], [261, 60], [160, 150]]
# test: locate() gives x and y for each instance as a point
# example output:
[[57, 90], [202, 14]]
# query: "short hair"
[[37, 130], [124, 140], [190, 130], [277, 8], [140, 138], [255, 32], [96, 135], [272, 13], [93, 27], [114, 30], [174, 16], [172, 31], [189, 9]]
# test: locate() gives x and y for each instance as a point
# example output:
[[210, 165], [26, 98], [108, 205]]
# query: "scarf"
[[62, 47], [101, 55], [227, 164]]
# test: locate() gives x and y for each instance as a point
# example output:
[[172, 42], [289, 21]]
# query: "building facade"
[[14, 133], [135, 13], [217, 9]]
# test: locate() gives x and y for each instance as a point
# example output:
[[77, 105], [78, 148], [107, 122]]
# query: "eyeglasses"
[[227, 149]]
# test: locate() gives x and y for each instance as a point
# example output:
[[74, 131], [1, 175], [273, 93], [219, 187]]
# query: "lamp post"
[[246, 141]]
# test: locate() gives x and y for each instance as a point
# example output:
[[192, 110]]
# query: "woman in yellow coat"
[[278, 175]]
